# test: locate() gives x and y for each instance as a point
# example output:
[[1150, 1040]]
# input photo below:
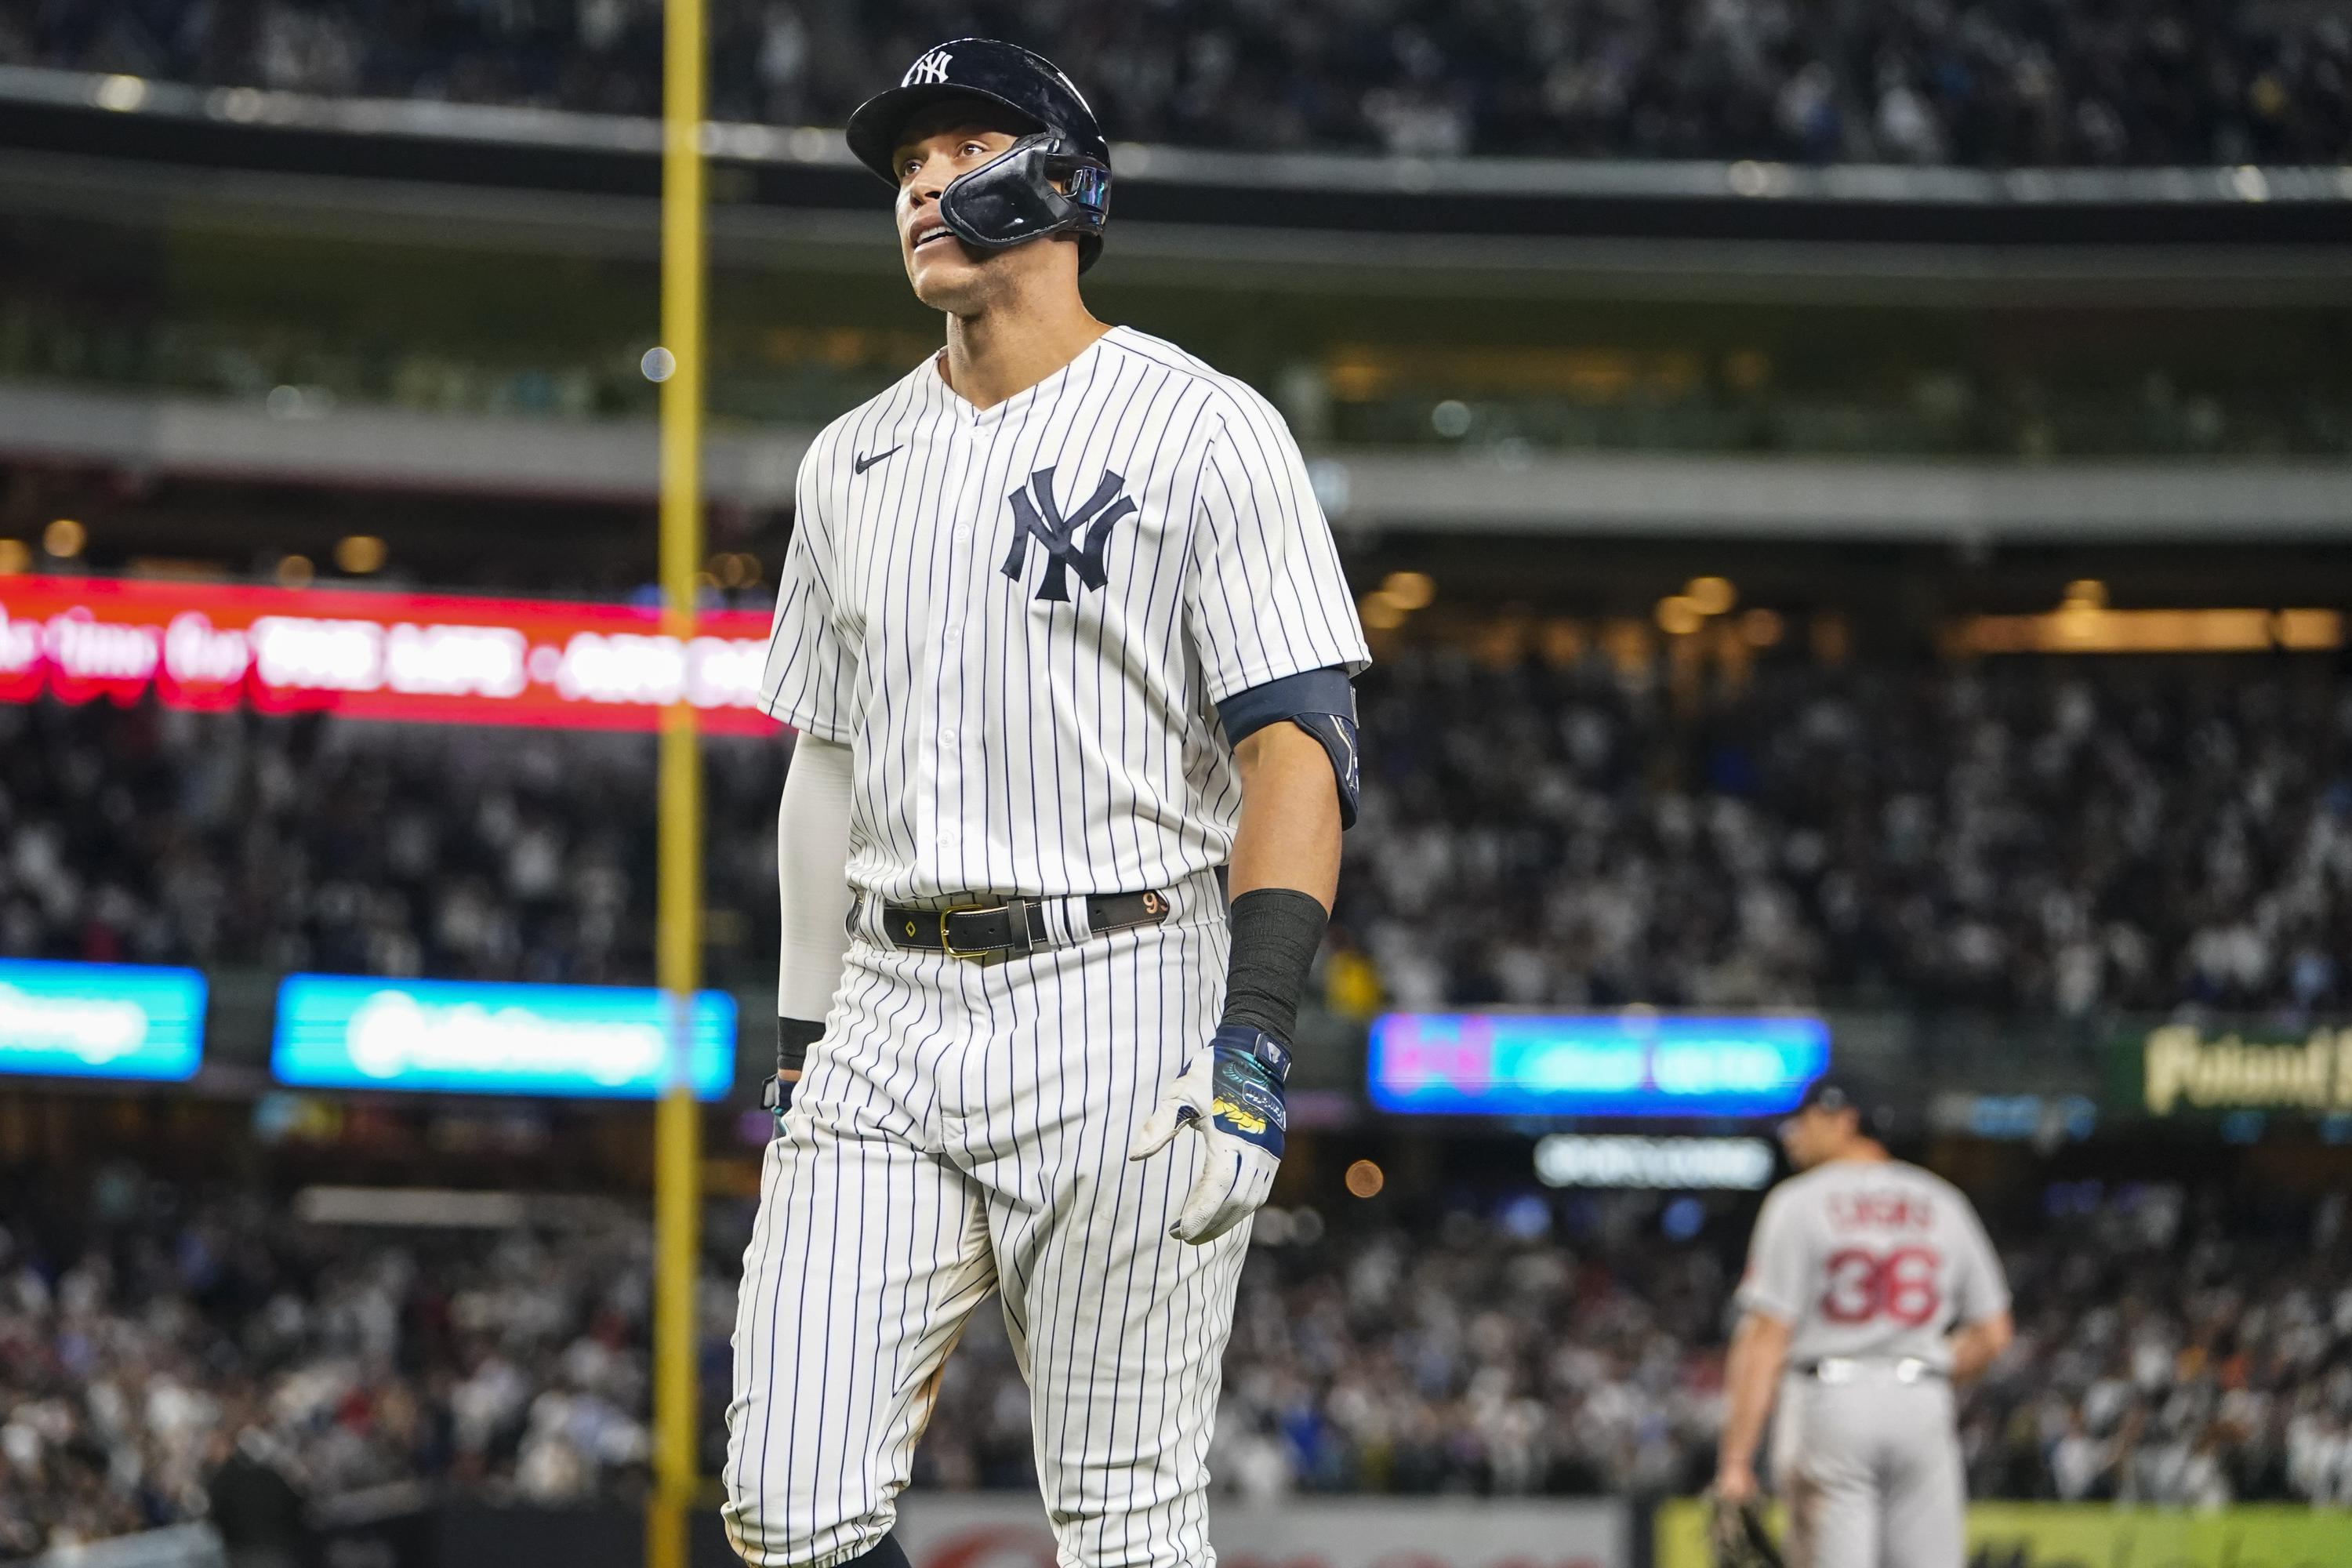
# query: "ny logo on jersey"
[[932, 66], [1041, 519]]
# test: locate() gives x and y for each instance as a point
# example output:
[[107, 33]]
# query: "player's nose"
[[919, 194], [930, 178]]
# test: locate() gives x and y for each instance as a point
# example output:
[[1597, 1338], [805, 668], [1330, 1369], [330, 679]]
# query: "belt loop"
[[866, 919], [1026, 940], [1066, 922]]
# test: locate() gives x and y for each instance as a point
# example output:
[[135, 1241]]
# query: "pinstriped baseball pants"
[[962, 1129]]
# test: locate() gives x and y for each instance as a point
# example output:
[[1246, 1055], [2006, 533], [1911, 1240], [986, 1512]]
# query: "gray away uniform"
[[1871, 1263]]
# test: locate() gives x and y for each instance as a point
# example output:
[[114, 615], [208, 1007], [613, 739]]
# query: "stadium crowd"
[[2057, 839], [1987, 83], [2054, 837], [2170, 1349], [152, 836]]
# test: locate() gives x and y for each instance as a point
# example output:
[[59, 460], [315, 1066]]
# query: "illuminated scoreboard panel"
[[609, 1042], [100, 1020], [1633, 1063]]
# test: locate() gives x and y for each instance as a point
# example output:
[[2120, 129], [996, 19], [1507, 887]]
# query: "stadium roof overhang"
[[542, 178]]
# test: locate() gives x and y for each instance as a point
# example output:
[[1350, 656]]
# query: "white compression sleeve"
[[812, 878]]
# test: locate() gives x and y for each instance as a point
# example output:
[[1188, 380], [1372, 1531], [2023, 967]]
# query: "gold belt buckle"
[[972, 954]]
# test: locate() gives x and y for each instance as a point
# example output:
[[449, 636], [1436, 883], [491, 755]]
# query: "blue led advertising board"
[[1634, 1063], [100, 1020], [476, 1038]]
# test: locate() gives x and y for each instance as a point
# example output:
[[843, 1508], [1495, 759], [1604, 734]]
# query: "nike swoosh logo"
[[862, 462]]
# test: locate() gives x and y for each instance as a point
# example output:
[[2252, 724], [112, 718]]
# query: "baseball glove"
[[1738, 1533]]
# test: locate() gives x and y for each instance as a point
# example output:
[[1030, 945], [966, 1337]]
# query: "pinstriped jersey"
[[1021, 619]]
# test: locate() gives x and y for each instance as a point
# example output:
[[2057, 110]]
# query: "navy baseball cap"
[[1021, 79], [1825, 1093], [1877, 1114]]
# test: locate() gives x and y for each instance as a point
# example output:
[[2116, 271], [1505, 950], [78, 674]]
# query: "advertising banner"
[[1010, 1530], [2181, 1069], [477, 1037], [100, 1020], [1664, 1165], [422, 656], [1633, 1063], [2094, 1535]]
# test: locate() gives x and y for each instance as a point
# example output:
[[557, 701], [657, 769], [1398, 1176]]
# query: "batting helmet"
[[1012, 198]]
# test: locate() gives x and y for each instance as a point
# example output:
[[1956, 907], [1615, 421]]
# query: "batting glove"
[[1231, 1095]]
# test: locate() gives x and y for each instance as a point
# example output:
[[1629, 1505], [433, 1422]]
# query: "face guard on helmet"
[[1054, 179], [1013, 197]]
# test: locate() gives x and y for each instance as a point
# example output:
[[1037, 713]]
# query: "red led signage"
[[434, 657]]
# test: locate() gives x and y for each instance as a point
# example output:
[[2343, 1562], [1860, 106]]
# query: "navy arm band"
[[1321, 701]]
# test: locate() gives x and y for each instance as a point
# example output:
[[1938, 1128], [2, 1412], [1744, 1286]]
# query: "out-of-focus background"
[[1854, 508]]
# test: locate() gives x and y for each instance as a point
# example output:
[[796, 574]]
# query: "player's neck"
[[1012, 348]]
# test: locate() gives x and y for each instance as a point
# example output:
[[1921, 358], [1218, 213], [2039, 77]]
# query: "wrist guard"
[[1275, 934]]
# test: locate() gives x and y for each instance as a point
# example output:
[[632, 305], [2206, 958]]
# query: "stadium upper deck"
[[2024, 82]]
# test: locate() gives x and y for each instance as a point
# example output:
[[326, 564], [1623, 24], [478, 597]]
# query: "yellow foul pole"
[[677, 1154]]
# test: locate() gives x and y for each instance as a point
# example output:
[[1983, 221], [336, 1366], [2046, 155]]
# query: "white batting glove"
[[1231, 1094]]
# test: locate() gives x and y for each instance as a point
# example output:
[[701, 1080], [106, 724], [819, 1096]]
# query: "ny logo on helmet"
[[1041, 519], [932, 66]]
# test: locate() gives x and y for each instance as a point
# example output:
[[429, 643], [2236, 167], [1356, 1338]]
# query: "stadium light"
[[1711, 595], [1409, 590], [1679, 615], [64, 538], [360, 555], [2081, 626]]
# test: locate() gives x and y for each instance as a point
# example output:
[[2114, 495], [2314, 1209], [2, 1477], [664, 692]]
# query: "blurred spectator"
[[2048, 838], [2054, 837], [177, 1358], [2172, 1349], [2024, 83], [155, 836], [251, 1500]]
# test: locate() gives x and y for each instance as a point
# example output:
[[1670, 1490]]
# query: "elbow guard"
[[1321, 701]]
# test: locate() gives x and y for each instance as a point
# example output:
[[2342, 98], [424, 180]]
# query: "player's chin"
[[946, 270]]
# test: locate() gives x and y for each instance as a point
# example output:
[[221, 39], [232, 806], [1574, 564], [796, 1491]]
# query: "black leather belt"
[[1013, 928]]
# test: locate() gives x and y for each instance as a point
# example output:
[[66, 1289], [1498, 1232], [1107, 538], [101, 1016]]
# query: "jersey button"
[[963, 531], [947, 737]]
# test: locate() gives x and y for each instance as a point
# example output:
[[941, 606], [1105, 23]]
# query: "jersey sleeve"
[[1982, 1290], [1774, 1283], [811, 673], [1264, 596]]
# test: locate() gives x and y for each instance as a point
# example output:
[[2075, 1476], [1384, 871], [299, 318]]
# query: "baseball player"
[[1871, 1290], [1065, 636]]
